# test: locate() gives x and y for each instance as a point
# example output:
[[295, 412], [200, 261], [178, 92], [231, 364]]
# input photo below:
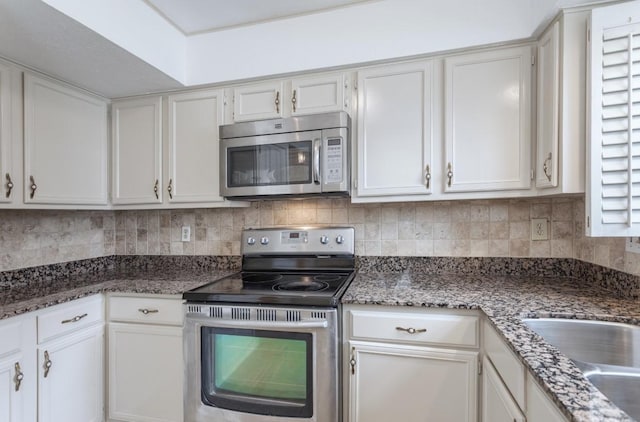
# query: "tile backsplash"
[[498, 228]]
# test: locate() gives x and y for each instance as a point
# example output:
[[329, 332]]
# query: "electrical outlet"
[[186, 233], [539, 229], [633, 245]]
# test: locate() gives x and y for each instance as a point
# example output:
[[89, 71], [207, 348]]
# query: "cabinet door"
[[71, 390], [260, 101], [394, 130], [548, 108], [497, 404], [411, 384], [318, 94], [137, 151], [612, 200], [7, 193], [194, 146], [65, 145], [11, 405], [145, 373], [487, 121], [539, 407]]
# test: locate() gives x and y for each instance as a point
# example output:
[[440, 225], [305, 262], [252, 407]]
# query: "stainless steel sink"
[[608, 343], [621, 388], [608, 353]]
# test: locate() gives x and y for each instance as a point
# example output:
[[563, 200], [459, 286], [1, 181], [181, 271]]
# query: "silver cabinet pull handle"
[[17, 379], [294, 100], [352, 361], [9, 185], [427, 177], [412, 330], [170, 189], [33, 187], [449, 174], [277, 102], [316, 161], [74, 319], [148, 311], [47, 363], [155, 189], [547, 168]]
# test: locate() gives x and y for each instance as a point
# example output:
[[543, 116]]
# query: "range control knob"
[[340, 239], [251, 241], [264, 240], [324, 239]]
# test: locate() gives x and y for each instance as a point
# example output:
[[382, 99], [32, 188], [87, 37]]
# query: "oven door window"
[[270, 164], [258, 371]]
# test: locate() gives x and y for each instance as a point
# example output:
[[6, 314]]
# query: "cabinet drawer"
[[69, 317], [440, 329], [510, 369], [145, 310]]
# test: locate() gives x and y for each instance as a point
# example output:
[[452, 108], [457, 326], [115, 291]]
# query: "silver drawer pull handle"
[[148, 311], [47, 363], [412, 330], [74, 319], [17, 379]]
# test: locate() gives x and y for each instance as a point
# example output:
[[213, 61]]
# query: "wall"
[[460, 228], [31, 238]]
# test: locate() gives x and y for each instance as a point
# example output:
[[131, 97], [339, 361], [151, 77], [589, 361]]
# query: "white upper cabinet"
[[613, 182], [561, 68], [613, 156], [394, 136], [258, 101], [319, 94], [548, 108], [487, 121], [137, 151], [7, 175], [65, 145], [283, 98], [194, 146]]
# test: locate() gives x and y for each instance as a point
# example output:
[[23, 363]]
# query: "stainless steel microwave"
[[295, 156]]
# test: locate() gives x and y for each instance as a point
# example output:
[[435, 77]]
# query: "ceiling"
[[197, 16], [119, 48]]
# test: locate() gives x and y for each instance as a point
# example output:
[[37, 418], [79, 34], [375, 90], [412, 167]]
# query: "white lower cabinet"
[[145, 366], [51, 364], [509, 392], [497, 403], [399, 372], [70, 377]]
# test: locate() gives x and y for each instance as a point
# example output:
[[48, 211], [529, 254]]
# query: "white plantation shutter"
[[613, 181]]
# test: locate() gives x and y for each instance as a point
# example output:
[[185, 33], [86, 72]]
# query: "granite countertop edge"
[[501, 298], [506, 301]]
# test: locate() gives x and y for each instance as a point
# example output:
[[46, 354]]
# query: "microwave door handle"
[[316, 160]]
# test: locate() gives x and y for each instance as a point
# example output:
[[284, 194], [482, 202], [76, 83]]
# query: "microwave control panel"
[[334, 160]]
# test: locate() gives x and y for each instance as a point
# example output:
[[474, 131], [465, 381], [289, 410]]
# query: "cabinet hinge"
[[533, 174], [479, 366], [588, 221], [533, 60], [355, 183], [355, 85], [588, 35], [224, 99]]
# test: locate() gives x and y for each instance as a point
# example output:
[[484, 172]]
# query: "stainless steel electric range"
[[264, 344]]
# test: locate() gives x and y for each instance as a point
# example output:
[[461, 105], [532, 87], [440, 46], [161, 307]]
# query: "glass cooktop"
[[294, 288]]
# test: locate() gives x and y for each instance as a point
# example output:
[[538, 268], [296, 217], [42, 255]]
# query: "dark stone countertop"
[[506, 300]]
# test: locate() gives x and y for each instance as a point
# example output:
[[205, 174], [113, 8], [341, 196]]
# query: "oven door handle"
[[244, 323], [316, 160]]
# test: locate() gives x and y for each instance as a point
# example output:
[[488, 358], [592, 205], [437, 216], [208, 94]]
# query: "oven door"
[[252, 370], [281, 164]]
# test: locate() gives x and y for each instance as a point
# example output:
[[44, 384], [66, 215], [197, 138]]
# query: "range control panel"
[[299, 240]]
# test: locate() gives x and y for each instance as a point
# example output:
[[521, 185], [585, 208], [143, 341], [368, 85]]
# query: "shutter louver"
[[615, 158]]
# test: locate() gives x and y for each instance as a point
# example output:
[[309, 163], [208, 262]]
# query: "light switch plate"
[[186, 233], [539, 229]]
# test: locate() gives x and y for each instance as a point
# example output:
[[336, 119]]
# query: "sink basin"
[[608, 353], [620, 388], [596, 342]]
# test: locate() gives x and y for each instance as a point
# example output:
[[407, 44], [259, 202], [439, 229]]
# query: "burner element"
[[301, 286], [260, 278]]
